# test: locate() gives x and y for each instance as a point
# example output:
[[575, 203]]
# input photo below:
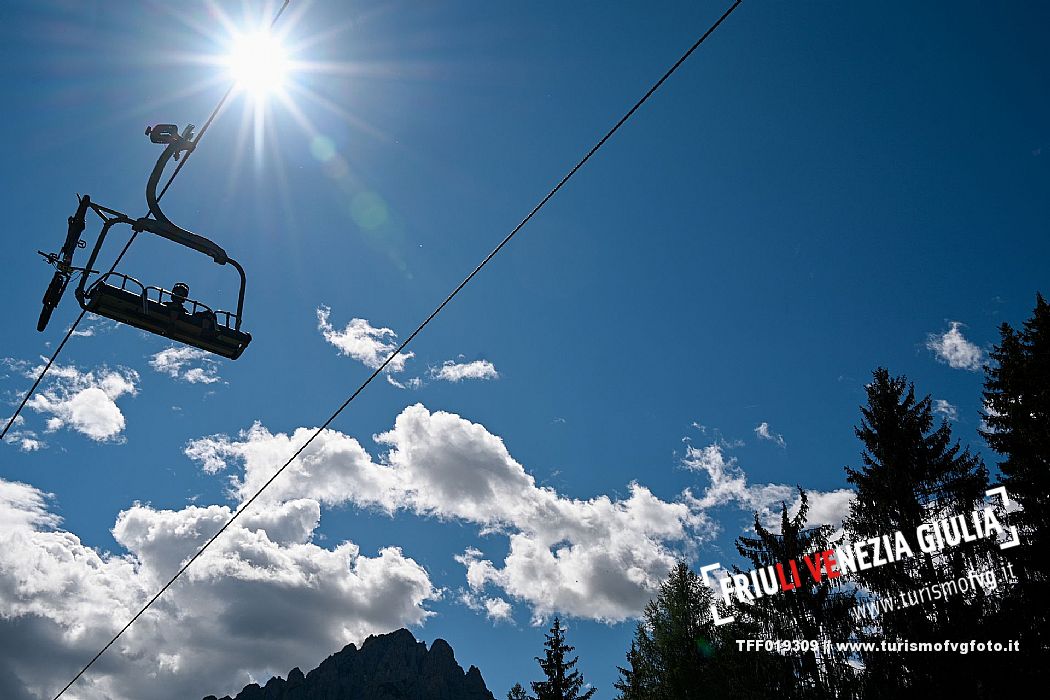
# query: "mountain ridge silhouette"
[[392, 666]]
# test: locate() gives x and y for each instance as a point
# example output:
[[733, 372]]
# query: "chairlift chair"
[[120, 297]]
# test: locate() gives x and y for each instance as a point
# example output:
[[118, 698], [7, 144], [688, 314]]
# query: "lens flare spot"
[[368, 210], [336, 168], [322, 148]]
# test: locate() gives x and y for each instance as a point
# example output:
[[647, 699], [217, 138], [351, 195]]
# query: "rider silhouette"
[[179, 293]]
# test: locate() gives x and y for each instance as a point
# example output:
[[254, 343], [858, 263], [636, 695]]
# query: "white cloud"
[[98, 326], [362, 341], [21, 505], [261, 599], [29, 444], [266, 597], [413, 383], [84, 401], [763, 433], [728, 482], [599, 558], [452, 371], [211, 452], [948, 410], [828, 507], [171, 362], [729, 486], [954, 349], [496, 609], [27, 440], [332, 470]]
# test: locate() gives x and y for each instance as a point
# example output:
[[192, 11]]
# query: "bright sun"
[[258, 63]]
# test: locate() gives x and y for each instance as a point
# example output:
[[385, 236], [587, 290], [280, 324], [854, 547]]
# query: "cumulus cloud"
[[729, 486], [262, 598], [496, 609], [954, 349], [763, 433], [186, 363], [599, 557], [452, 371], [265, 596], [84, 401], [828, 507], [946, 409], [30, 444], [362, 341]]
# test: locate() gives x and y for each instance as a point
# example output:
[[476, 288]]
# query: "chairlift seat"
[[200, 328], [167, 313]]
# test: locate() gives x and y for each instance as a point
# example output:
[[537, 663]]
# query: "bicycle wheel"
[[51, 298]]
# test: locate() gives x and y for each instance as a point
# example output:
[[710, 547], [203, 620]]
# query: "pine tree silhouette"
[[1017, 426], [637, 678], [678, 653], [913, 473], [813, 611], [563, 682], [517, 693]]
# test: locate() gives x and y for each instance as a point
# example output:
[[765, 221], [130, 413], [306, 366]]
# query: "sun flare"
[[258, 63]]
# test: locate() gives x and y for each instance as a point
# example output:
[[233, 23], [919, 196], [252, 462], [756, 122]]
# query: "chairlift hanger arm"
[[160, 224], [240, 295]]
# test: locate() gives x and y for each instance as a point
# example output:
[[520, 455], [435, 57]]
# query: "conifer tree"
[[636, 678], [676, 619], [1017, 426], [517, 693], [913, 473], [678, 653], [563, 681], [812, 611]]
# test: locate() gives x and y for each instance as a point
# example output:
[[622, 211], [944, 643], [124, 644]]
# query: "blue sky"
[[823, 188]]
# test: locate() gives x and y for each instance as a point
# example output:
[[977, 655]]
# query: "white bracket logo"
[[1000, 491], [704, 571]]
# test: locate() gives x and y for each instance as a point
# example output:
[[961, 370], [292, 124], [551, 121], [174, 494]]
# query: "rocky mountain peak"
[[392, 666]]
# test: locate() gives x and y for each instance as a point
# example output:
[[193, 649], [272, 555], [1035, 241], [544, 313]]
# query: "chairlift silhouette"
[[120, 297]]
